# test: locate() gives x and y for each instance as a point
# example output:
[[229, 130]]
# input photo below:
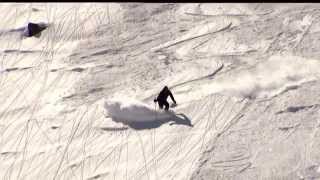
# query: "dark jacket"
[[163, 95], [34, 29]]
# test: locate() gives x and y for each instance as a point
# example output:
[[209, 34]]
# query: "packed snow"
[[77, 99]]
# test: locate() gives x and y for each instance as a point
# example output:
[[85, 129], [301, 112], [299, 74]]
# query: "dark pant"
[[165, 103]]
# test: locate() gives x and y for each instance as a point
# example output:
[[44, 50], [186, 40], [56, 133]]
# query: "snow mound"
[[127, 110]]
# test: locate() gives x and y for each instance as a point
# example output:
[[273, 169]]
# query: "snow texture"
[[77, 101]]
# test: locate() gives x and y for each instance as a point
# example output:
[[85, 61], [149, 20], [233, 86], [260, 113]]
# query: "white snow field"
[[77, 101]]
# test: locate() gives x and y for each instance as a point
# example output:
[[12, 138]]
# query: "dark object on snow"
[[162, 98], [34, 29]]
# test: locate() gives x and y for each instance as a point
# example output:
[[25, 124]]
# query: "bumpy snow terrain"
[[77, 101]]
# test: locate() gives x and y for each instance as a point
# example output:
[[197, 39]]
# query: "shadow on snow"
[[176, 119]]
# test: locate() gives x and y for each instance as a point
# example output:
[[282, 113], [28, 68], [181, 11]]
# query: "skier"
[[162, 98]]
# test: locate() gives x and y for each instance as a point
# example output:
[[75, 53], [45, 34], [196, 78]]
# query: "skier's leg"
[[166, 104], [160, 104]]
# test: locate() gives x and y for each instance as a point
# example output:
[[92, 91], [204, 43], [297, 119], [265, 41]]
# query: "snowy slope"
[[77, 102]]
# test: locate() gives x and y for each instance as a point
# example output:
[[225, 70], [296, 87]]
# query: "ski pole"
[[155, 110]]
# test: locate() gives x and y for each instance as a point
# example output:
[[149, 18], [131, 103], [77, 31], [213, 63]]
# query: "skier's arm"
[[171, 96]]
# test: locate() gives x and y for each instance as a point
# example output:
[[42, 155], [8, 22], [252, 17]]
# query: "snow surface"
[[77, 101]]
